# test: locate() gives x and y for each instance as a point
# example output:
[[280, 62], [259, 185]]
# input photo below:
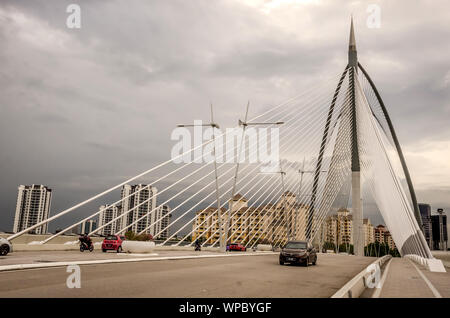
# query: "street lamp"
[[213, 139], [244, 125], [282, 174], [301, 172]]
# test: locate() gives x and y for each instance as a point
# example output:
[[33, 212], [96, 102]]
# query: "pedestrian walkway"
[[406, 280]]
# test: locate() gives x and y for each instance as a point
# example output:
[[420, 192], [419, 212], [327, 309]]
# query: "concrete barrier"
[[356, 286], [264, 247], [138, 246], [432, 264]]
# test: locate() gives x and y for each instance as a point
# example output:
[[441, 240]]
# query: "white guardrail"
[[358, 284], [432, 264]]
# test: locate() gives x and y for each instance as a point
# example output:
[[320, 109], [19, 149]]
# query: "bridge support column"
[[358, 230]]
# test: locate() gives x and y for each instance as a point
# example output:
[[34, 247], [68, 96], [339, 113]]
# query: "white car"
[[5, 247]]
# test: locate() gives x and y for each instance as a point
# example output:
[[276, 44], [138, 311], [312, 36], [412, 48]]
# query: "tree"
[[131, 236], [394, 252], [346, 248], [329, 246], [378, 249]]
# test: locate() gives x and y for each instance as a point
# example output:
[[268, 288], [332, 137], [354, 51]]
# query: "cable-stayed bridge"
[[331, 147]]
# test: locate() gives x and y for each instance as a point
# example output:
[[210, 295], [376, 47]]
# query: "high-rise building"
[[107, 214], [139, 203], [162, 222], [382, 235], [88, 226], [389, 240], [33, 206], [369, 232], [425, 213], [338, 229], [205, 224], [379, 233], [345, 227], [439, 228]]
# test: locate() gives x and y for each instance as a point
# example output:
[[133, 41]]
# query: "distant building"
[[440, 234], [248, 225], [107, 214], [338, 228], [33, 206], [380, 230], [425, 214], [206, 224], [369, 232], [382, 235], [389, 240], [139, 203], [162, 222], [88, 226]]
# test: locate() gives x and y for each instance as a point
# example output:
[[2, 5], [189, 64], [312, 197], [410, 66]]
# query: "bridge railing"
[[432, 264], [358, 284]]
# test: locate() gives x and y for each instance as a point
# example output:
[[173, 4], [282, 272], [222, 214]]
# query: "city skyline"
[[115, 226]]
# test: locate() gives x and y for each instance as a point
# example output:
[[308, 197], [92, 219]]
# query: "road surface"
[[242, 276]]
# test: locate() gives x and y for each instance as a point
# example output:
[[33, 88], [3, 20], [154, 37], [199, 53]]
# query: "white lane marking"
[[377, 292], [429, 284], [109, 261], [135, 254]]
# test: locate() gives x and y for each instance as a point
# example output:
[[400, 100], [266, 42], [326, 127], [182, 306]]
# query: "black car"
[[298, 252]]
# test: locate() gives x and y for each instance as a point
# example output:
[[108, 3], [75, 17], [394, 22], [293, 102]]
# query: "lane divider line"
[[110, 261], [429, 284]]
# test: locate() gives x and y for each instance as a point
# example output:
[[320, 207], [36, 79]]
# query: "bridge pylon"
[[358, 234], [410, 241]]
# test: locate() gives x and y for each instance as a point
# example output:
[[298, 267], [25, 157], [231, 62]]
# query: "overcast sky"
[[84, 109]]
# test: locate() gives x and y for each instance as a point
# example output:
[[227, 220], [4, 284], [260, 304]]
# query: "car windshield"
[[111, 237], [296, 245]]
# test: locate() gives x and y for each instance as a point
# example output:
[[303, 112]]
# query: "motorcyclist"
[[197, 245], [85, 239]]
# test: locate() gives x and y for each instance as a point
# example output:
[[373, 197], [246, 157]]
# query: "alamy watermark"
[[374, 18], [373, 280], [259, 145], [73, 20], [74, 279]]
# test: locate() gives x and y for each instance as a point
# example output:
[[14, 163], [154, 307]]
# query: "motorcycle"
[[85, 247]]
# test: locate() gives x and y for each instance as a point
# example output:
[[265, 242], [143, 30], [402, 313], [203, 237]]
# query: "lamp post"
[[441, 229], [282, 174], [301, 171], [244, 125], [213, 125]]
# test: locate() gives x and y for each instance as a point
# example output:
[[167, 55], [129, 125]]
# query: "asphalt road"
[[43, 257], [246, 276]]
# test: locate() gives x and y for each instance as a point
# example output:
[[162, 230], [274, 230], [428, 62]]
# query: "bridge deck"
[[246, 276]]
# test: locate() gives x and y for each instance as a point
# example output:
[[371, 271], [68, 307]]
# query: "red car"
[[113, 242], [236, 247]]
